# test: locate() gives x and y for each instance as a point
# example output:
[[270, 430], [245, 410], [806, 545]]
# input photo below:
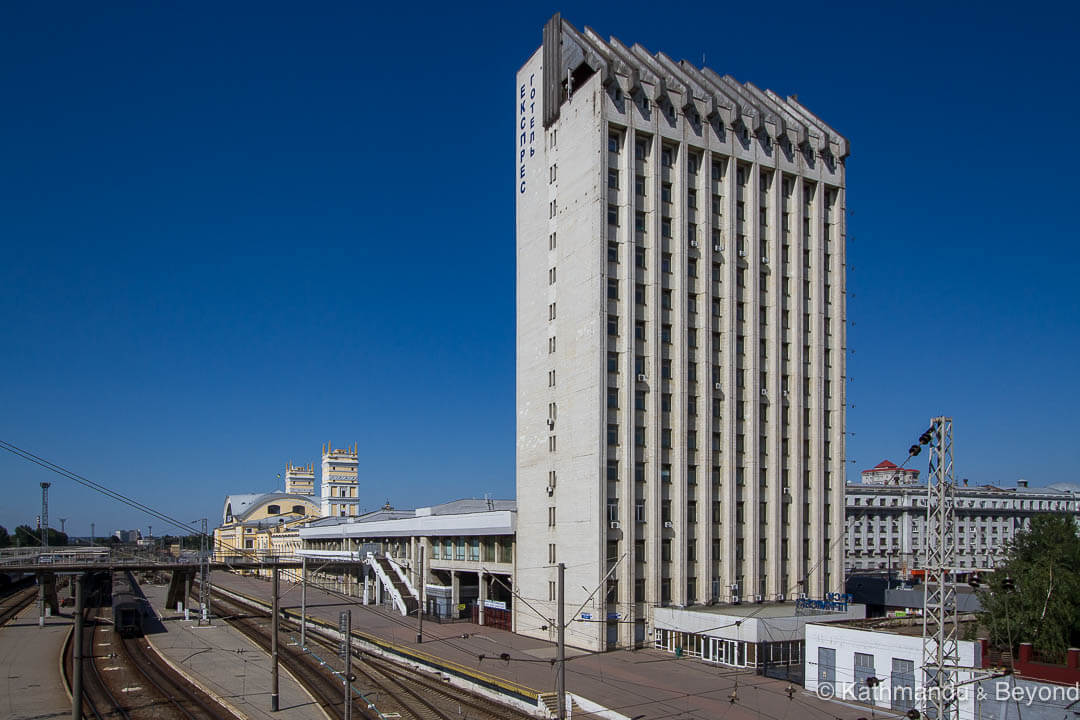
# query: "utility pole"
[[345, 649], [274, 646], [204, 575], [303, 602], [560, 650], [941, 656], [420, 600], [77, 652]]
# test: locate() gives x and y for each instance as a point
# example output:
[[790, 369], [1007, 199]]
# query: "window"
[[639, 261], [273, 509], [613, 470], [613, 215], [612, 362], [551, 276], [551, 311], [613, 289], [551, 590], [613, 398], [613, 434], [551, 553], [551, 378], [613, 143], [667, 157], [552, 209], [551, 344], [639, 185], [551, 443], [552, 173], [551, 241], [613, 179], [612, 324], [298, 510]]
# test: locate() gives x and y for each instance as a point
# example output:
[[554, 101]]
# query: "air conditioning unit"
[[668, 524], [615, 526], [718, 386], [641, 377], [551, 422], [550, 490], [718, 248], [764, 261], [785, 393], [742, 253], [693, 243], [780, 597], [734, 599], [764, 392], [802, 596], [759, 598]]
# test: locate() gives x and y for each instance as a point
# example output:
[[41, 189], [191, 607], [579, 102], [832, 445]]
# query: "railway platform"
[[33, 688], [221, 660], [643, 685]]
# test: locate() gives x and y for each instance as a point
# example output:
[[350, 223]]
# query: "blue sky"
[[233, 232]]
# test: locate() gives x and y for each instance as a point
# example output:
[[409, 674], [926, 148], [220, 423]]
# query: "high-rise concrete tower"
[[300, 479], [680, 338], [340, 482]]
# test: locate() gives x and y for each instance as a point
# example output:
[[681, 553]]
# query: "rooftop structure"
[[889, 473], [340, 482], [300, 479]]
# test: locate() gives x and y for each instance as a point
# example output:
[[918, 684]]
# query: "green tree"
[[5, 539], [1035, 597], [26, 536]]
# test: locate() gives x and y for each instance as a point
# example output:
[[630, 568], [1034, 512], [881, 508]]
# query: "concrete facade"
[[887, 523], [680, 338]]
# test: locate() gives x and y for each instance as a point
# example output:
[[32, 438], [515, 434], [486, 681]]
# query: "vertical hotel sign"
[[526, 127]]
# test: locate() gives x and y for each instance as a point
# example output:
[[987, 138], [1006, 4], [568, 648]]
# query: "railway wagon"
[[127, 605]]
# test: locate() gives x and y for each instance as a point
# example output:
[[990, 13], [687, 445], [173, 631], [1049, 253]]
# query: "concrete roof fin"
[[717, 101]]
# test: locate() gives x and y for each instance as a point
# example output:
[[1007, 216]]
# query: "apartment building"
[[680, 339]]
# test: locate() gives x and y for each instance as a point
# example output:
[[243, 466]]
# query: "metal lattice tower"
[[941, 656], [45, 514]]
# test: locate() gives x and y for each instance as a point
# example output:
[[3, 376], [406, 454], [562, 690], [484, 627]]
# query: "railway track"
[[397, 691], [124, 679], [327, 689], [13, 603]]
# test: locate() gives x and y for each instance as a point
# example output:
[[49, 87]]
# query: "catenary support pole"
[[274, 644], [348, 665], [560, 650], [420, 600], [303, 602], [77, 652]]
